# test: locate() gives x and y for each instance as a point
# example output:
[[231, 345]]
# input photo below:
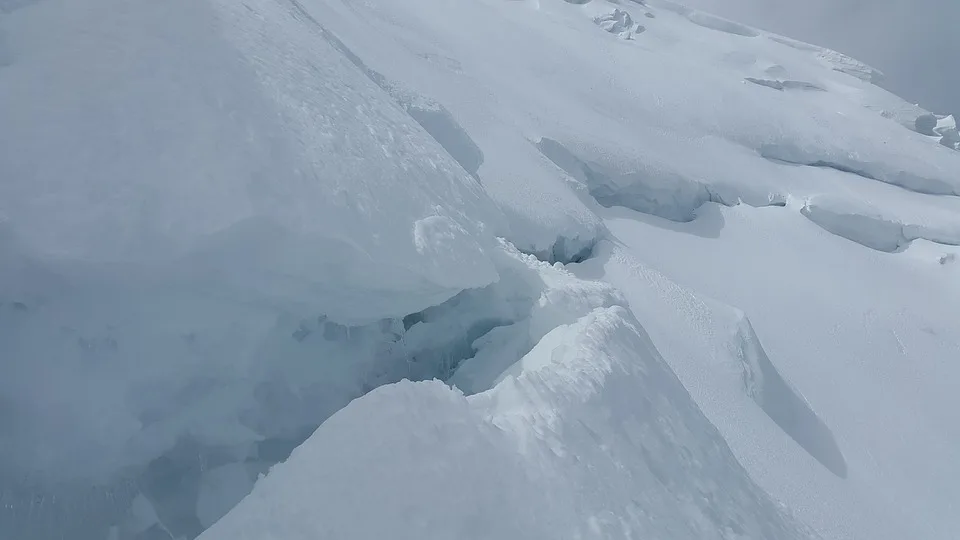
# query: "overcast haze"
[[915, 43]]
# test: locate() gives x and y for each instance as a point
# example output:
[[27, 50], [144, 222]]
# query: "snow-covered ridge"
[[564, 421], [228, 230]]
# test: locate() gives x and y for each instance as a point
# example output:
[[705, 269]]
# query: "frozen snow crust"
[[230, 230]]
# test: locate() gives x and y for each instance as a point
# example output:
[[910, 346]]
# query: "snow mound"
[[620, 23], [732, 348], [555, 450], [922, 179]]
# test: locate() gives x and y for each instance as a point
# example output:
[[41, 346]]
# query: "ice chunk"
[[619, 22]]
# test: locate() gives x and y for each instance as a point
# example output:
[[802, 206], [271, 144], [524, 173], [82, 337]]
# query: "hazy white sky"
[[916, 43]]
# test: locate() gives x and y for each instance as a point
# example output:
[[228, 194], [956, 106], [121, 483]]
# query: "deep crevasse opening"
[[178, 401]]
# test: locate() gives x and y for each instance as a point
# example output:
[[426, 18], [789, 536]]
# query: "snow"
[[865, 336], [232, 234], [575, 446], [223, 182]]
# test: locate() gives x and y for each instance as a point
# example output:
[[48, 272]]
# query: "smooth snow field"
[[478, 270]]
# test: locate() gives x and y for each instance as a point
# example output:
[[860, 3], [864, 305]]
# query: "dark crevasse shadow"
[[708, 220], [200, 439]]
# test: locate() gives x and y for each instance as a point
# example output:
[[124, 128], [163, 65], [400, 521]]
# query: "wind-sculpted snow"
[[620, 23], [557, 449]]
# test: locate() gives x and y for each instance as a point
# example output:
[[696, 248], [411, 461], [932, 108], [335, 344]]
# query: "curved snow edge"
[[783, 403], [866, 226], [592, 408]]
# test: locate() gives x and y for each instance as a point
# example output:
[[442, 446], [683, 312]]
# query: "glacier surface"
[[479, 269]]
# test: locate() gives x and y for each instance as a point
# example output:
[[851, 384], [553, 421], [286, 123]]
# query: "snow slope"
[[588, 436], [228, 230], [163, 167]]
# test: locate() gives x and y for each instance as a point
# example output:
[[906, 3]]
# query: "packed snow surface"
[[284, 269]]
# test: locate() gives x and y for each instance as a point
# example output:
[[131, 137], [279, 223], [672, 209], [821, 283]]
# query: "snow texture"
[[556, 451], [232, 234], [225, 188]]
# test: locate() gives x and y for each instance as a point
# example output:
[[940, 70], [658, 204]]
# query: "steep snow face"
[[183, 186], [221, 223], [592, 437], [234, 145]]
